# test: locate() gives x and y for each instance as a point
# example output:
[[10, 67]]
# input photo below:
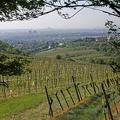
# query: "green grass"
[[63, 51], [24, 106], [91, 110], [53, 52], [76, 54], [14, 106]]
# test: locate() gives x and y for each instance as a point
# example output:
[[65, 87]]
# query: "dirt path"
[[114, 111]]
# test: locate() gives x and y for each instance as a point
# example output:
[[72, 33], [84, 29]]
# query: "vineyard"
[[64, 83]]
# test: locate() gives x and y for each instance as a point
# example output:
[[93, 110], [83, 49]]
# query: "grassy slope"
[[91, 110], [33, 107], [19, 105], [53, 52], [73, 53], [13, 106]]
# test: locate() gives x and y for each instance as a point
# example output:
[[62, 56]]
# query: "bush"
[[58, 57]]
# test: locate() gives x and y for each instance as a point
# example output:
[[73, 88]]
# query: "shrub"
[[58, 57]]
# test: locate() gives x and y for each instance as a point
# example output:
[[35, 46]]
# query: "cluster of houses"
[[52, 44]]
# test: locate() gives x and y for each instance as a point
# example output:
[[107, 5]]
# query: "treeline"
[[6, 48], [36, 47], [107, 50], [109, 53], [32, 48]]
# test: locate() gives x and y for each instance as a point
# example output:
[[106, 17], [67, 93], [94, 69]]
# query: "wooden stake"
[[93, 83], [70, 95], [75, 86], [50, 101], [64, 98], [107, 103], [58, 100], [79, 91]]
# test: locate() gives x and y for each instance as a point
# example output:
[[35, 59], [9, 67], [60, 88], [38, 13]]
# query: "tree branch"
[[111, 5]]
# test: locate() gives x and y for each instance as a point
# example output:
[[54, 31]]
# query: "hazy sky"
[[87, 18]]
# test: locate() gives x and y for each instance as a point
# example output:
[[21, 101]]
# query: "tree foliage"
[[26, 9], [114, 30], [9, 67], [6, 48]]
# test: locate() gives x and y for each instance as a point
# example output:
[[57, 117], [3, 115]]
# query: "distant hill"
[[6, 48]]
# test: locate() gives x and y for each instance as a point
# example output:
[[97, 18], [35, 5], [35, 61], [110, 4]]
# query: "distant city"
[[44, 35]]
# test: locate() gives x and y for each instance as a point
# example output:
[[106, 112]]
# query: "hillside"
[[83, 50], [6, 48], [28, 90], [72, 81]]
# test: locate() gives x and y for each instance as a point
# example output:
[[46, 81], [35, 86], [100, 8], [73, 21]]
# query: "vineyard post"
[[45, 74], [46, 79], [113, 81], [59, 75], [19, 82], [31, 78], [97, 74], [55, 78], [35, 81], [58, 100], [105, 115], [28, 77], [64, 98], [88, 89], [18, 85], [84, 91], [74, 72], [3, 88], [107, 103], [108, 82], [50, 101], [39, 77], [24, 80], [104, 107], [7, 78], [76, 89], [105, 83], [79, 91], [93, 83], [97, 86], [70, 95]]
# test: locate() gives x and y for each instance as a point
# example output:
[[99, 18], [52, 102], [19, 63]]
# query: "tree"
[[115, 31], [9, 67], [26, 9]]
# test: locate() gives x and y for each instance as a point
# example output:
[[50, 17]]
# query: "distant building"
[[49, 47], [101, 39], [60, 44]]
